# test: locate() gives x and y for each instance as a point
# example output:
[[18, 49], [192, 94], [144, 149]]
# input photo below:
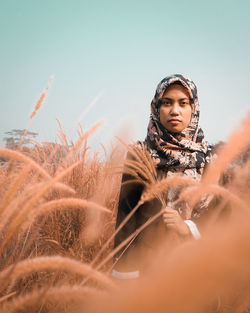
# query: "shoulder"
[[212, 151], [136, 149], [235, 165]]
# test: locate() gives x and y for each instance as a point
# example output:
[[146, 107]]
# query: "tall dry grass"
[[51, 198], [58, 205]]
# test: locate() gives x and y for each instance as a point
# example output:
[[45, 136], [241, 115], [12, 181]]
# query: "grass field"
[[58, 208]]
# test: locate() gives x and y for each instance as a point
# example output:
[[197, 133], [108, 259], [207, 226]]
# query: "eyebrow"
[[166, 98]]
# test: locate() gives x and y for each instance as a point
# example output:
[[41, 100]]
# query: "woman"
[[176, 145]]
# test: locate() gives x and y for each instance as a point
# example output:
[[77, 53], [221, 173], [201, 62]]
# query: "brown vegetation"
[[58, 209]]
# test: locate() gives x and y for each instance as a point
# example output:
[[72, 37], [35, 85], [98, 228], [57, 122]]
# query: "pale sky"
[[108, 56]]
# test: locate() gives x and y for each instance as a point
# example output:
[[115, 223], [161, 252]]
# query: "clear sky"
[[118, 51]]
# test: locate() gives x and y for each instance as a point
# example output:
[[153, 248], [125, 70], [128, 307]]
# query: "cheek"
[[163, 113], [188, 114], [160, 114], [162, 117]]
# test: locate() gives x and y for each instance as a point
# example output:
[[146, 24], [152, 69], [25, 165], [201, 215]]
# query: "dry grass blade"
[[82, 139], [41, 99], [52, 263], [141, 153], [57, 186], [143, 159], [132, 172], [190, 280], [20, 218], [62, 135], [14, 187], [36, 142], [238, 141], [138, 169], [71, 203], [4, 298], [37, 107], [129, 238], [131, 213], [79, 229], [15, 155], [104, 150], [13, 207], [143, 175], [62, 204], [161, 186], [62, 294], [153, 191], [194, 195]]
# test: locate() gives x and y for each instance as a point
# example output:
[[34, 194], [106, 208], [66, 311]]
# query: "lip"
[[174, 120]]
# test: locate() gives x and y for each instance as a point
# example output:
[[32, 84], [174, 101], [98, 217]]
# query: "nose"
[[174, 109]]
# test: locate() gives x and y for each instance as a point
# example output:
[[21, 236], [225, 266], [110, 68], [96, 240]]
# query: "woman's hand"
[[173, 220]]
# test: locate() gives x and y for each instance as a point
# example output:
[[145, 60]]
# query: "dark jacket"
[[155, 237]]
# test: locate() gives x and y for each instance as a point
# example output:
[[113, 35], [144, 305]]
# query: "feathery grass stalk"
[[71, 202], [62, 294], [16, 223], [104, 150], [42, 98], [13, 207], [124, 243], [4, 298], [238, 141], [195, 194], [132, 167], [141, 155], [161, 186], [221, 260], [131, 172], [82, 139], [36, 142], [37, 107], [153, 191], [11, 154], [106, 244], [62, 204], [139, 169], [52, 263], [127, 240], [14, 187], [62, 135]]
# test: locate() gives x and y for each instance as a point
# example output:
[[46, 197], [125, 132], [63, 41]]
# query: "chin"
[[173, 130]]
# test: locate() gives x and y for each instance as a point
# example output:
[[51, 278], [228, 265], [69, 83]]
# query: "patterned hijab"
[[185, 152]]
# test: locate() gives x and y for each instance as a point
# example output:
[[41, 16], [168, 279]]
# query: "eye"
[[165, 102], [184, 103]]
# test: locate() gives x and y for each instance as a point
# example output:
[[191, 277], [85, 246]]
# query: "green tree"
[[14, 137]]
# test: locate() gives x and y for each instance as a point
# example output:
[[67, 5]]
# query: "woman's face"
[[175, 108]]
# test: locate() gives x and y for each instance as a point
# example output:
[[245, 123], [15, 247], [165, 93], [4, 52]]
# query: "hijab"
[[184, 152]]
